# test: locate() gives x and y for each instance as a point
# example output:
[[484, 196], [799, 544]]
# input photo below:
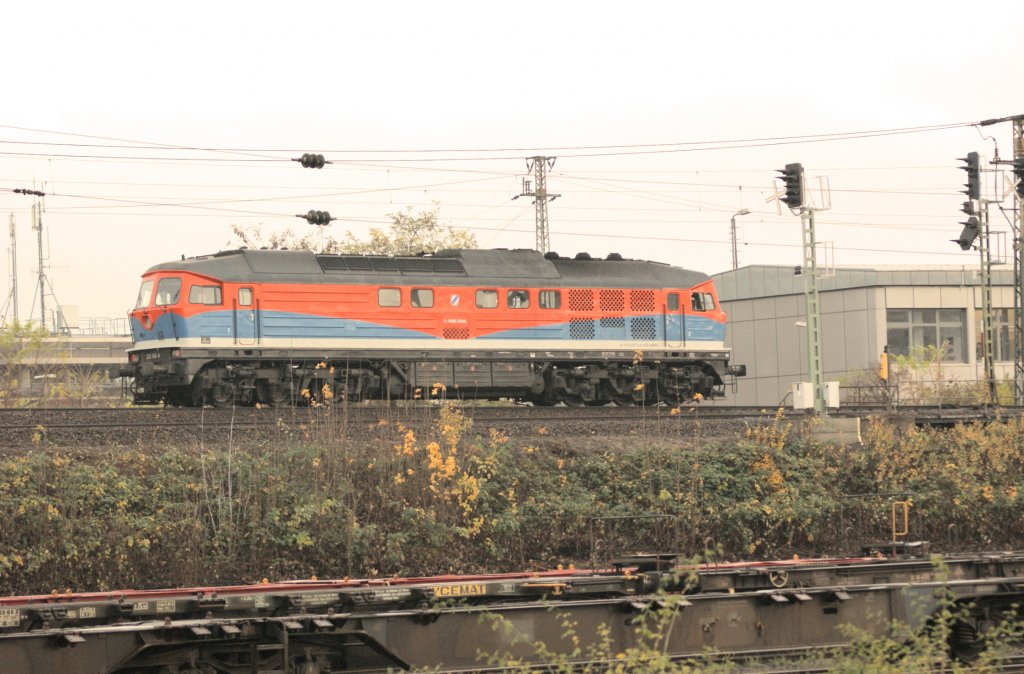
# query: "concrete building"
[[862, 311]]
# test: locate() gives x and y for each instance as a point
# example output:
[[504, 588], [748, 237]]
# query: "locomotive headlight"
[[133, 358], [175, 353]]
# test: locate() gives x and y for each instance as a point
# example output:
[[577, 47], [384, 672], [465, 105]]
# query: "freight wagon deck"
[[448, 622]]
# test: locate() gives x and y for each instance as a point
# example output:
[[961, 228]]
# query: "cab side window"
[[550, 299], [144, 294], [518, 299], [673, 301], [389, 297], [703, 302], [204, 295], [245, 297], [487, 299], [422, 297], [168, 291]]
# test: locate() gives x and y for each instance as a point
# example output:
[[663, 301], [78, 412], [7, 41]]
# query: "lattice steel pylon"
[[815, 369], [11, 303], [1017, 223], [987, 323], [1018, 267], [539, 192]]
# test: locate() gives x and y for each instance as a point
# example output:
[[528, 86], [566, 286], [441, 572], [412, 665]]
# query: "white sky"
[[481, 85]]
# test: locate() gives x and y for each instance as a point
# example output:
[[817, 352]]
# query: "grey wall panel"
[[859, 340], [954, 297], [832, 302], [834, 341], [739, 310], [791, 358], [741, 339], [766, 349], [855, 300], [764, 309]]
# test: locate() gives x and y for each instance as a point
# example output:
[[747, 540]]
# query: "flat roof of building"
[[774, 280]]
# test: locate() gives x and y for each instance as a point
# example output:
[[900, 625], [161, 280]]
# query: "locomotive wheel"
[[198, 394], [271, 394], [314, 394], [222, 395], [178, 396]]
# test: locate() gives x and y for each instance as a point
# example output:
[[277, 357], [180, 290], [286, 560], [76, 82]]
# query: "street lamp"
[[735, 259]]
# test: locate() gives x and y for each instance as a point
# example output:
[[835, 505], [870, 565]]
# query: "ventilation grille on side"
[[643, 328]]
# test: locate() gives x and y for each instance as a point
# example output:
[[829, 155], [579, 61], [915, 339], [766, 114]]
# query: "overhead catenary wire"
[[670, 196], [563, 151]]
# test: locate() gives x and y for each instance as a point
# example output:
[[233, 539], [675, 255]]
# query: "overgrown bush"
[[458, 499]]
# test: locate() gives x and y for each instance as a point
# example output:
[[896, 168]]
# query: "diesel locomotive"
[[277, 327]]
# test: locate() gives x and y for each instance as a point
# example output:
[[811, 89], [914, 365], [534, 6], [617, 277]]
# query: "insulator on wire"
[[308, 160], [317, 217]]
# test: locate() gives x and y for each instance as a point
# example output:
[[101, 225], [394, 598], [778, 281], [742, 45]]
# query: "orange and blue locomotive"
[[281, 327]]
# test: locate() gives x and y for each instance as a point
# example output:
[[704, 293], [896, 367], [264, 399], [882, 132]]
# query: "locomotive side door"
[[673, 320], [245, 317]]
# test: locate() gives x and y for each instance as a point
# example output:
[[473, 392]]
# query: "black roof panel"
[[450, 267]]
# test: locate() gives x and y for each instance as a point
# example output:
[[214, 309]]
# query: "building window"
[[518, 299], [422, 297], [487, 299], [550, 299], [389, 297], [916, 331], [1004, 344]]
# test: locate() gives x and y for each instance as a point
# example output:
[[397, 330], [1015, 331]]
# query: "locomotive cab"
[[156, 297], [170, 312]]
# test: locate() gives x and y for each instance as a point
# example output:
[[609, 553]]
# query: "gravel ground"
[[582, 429]]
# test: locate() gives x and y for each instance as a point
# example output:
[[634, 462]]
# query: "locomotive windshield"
[[144, 292], [703, 302], [168, 291]]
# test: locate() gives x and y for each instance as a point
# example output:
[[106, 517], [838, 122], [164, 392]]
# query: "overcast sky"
[[657, 113]]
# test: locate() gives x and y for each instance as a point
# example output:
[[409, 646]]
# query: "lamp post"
[[732, 227]]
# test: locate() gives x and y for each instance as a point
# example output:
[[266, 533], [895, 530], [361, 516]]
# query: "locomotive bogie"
[[291, 327]]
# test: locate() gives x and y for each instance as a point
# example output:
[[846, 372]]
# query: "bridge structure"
[[69, 359]]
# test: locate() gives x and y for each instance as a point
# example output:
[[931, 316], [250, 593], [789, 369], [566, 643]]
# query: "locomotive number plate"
[[10, 617]]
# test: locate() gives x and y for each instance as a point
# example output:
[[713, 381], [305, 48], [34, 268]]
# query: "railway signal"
[[793, 177], [969, 233], [308, 160], [973, 169], [1018, 176]]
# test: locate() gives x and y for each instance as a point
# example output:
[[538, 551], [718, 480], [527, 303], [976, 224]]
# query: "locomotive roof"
[[451, 267]]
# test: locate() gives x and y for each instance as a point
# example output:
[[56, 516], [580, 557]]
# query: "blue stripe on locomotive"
[[285, 325]]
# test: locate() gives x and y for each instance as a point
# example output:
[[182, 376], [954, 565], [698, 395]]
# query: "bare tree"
[[408, 234]]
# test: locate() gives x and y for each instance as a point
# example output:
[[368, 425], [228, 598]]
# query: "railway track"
[[97, 426], [22, 419]]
